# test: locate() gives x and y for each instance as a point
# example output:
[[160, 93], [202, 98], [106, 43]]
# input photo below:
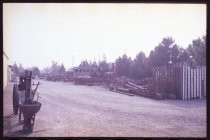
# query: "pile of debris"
[[144, 87]]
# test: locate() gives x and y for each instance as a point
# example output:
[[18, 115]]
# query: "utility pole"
[[72, 61]]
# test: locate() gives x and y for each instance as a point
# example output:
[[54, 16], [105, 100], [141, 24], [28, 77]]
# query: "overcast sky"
[[36, 34]]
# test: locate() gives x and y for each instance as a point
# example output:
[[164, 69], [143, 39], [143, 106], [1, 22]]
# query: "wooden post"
[[28, 76]]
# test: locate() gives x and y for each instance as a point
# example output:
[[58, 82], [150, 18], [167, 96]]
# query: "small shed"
[[184, 81]]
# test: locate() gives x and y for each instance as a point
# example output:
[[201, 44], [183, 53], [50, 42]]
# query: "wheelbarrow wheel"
[[15, 100]]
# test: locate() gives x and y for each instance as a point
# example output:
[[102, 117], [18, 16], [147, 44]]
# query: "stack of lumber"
[[131, 88], [127, 87]]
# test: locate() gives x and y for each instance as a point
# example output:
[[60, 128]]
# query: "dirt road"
[[78, 110]]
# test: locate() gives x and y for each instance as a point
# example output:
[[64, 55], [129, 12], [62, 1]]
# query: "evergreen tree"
[[123, 66], [198, 50], [36, 71], [62, 69]]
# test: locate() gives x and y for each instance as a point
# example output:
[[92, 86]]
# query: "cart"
[[23, 100], [29, 112]]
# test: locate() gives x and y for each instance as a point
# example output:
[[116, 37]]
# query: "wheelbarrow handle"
[[38, 96]]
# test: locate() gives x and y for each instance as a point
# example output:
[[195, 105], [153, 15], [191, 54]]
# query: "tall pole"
[[72, 61], [28, 77]]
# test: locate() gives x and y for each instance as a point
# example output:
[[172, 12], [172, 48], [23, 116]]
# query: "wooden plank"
[[186, 95], [170, 80], [123, 89], [136, 86], [202, 81], [205, 81], [194, 83], [188, 82], [191, 83], [192, 74], [201, 95], [126, 93], [200, 86], [196, 79], [182, 78], [132, 87], [185, 83], [176, 83], [197, 83], [182, 82]]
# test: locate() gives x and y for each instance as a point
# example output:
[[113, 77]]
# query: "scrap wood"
[[90, 84], [129, 86], [123, 89], [96, 84], [130, 94], [137, 86]]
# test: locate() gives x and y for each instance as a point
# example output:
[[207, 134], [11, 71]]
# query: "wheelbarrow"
[[29, 112], [23, 96]]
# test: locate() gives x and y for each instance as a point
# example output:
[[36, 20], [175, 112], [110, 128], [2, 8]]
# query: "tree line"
[[55, 68], [167, 52], [18, 70]]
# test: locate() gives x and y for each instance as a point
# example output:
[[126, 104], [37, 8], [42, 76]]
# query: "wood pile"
[[131, 87]]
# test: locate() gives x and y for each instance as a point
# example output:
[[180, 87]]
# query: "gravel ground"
[[77, 110]]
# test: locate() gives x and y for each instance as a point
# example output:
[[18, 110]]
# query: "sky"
[[35, 34]]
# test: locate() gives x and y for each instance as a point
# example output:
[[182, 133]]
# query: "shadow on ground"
[[193, 103]]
